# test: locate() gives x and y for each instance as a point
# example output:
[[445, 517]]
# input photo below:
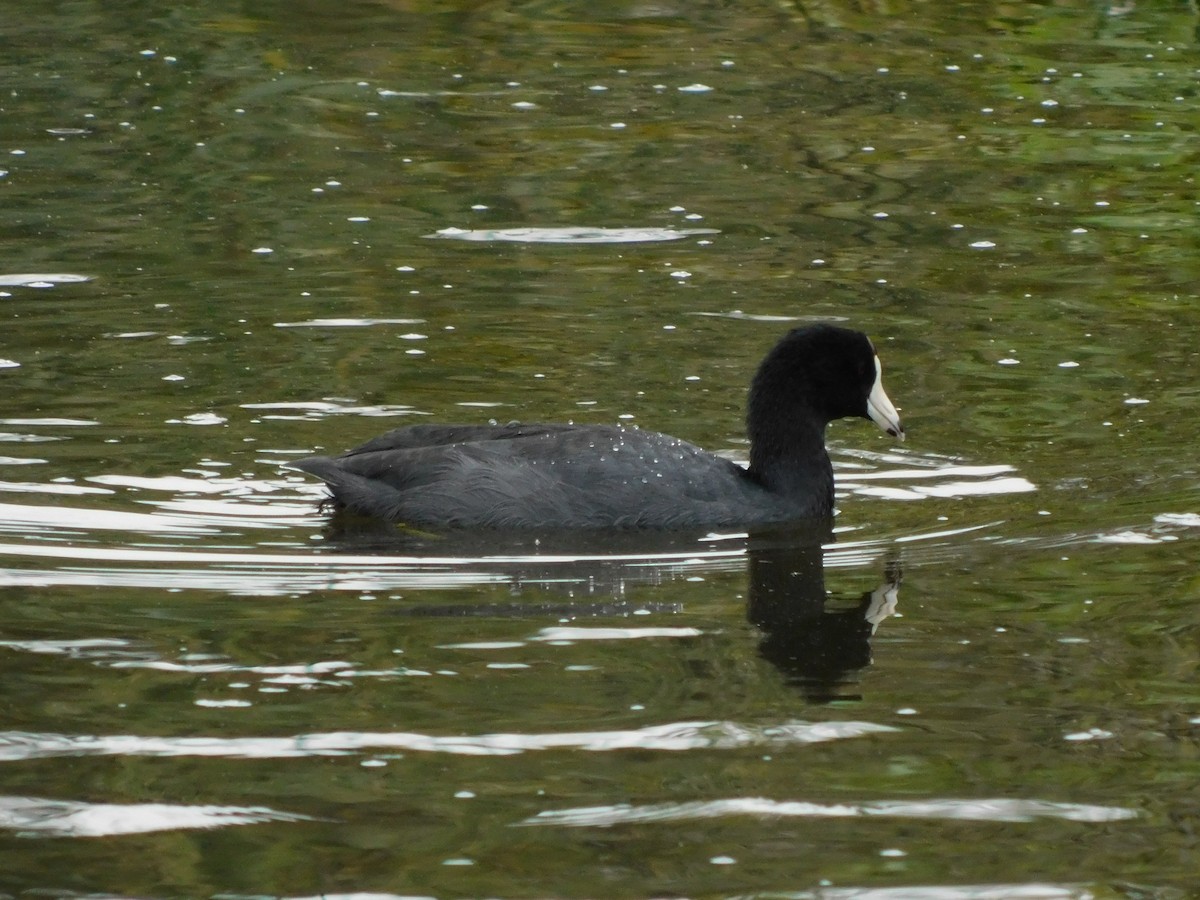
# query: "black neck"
[[790, 460]]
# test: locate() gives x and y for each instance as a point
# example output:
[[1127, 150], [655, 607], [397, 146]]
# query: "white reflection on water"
[[40, 279], [38, 817], [199, 505], [120, 654], [250, 582], [551, 235], [570, 633], [565, 634], [14, 437], [1129, 536], [1029, 891], [20, 518], [48, 421], [673, 736], [316, 409], [282, 573], [969, 481], [346, 323], [952, 489], [29, 487], [989, 810], [209, 484], [306, 569], [84, 648]]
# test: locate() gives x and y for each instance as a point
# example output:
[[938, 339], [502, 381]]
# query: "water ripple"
[[673, 736], [570, 634], [970, 481], [37, 279], [1026, 891], [36, 816], [985, 810], [570, 235], [282, 573]]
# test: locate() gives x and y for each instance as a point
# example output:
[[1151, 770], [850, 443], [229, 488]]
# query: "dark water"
[[235, 233]]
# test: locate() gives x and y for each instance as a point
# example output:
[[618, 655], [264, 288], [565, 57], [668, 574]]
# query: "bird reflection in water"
[[817, 645], [817, 648]]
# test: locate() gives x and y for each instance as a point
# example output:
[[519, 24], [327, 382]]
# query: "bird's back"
[[544, 476]]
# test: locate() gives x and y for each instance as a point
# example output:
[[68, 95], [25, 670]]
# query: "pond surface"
[[238, 233]]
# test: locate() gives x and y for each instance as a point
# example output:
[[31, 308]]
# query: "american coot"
[[608, 476]]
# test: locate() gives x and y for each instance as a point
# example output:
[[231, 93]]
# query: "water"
[[234, 237]]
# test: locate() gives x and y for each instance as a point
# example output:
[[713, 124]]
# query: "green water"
[[234, 233]]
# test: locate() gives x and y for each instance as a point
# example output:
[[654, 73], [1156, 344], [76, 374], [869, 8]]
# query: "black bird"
[[556, 476]]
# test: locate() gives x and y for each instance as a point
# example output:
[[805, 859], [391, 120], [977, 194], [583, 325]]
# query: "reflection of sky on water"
[[41, 817], [669, 737]]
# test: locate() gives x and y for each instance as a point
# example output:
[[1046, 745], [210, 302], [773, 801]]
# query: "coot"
[[556, 476]]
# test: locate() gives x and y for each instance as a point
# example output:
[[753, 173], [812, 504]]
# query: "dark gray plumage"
[[606, 476]]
